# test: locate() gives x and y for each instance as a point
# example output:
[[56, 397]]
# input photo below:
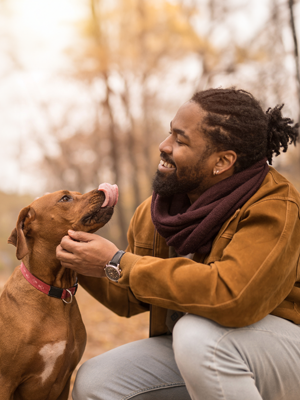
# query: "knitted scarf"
[[191, 228]]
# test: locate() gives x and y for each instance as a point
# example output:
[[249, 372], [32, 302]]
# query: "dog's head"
[[48, 218]]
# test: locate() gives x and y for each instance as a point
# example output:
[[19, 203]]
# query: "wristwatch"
[[112, 270]]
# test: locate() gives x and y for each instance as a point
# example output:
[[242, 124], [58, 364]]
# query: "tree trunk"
[[116, 165], [296, 52]]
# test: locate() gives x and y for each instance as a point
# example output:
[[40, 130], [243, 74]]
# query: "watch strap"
[[117, 258]]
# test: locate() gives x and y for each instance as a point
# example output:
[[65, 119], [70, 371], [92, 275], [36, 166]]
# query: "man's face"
[[186, 164]]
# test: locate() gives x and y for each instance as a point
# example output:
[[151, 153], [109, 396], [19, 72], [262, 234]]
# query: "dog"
[[42, 337]]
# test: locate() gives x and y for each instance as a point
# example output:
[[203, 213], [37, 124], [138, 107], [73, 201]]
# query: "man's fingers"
[[69, 244], [68, 265], [81, 236], [64, 255]]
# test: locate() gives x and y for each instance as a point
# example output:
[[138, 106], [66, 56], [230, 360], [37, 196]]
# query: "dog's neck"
[[48, 269]]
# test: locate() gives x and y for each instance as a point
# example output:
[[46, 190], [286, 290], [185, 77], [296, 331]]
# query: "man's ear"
[[226, 161], [18, 235]]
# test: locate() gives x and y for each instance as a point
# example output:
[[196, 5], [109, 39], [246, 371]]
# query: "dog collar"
[[51, 291]]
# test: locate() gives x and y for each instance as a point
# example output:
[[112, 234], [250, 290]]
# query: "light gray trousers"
[[261, 361]]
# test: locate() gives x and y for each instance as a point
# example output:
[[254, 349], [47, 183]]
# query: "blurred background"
[[88, 89]]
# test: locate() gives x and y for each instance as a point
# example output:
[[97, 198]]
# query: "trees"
[[137, 61], [125, 55]]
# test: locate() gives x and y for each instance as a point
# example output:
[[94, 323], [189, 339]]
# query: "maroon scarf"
[[192, 228]]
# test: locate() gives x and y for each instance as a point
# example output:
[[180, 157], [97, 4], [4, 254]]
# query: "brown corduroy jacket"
[[253, 268]]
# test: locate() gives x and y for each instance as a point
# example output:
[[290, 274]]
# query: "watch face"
[[112, 272]]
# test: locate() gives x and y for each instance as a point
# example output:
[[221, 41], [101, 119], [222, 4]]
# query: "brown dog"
[[42, 338]]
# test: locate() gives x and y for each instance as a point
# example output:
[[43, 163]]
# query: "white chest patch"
[[50, 353]]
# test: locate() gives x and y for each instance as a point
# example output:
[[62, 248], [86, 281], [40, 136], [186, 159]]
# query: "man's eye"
[[65, 198], [178, 141]]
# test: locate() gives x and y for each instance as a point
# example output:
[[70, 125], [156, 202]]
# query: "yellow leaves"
[[244, 54], [131, 33]]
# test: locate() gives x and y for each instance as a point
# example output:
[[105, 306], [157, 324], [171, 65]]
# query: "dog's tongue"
[[111, 194]]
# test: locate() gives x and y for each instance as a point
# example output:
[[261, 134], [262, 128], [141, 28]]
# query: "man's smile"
[[165, 162], [165, 165]]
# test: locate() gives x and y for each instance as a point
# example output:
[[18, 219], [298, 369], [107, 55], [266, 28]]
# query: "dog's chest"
[[50, 353], [53, 364]]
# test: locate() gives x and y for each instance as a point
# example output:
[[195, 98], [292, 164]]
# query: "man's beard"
[[166, 185]]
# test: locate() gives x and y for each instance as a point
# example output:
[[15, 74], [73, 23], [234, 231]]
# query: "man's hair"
[[235, 121]]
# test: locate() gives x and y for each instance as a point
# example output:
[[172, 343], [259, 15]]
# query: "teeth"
[[165, 164]]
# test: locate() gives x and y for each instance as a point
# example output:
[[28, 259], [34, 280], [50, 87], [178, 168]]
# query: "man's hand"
[[87, 254]]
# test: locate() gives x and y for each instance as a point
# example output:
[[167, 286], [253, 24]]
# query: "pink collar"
[[52, 291]]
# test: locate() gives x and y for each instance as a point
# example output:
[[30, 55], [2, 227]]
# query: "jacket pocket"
[[223, 238], [218, 248], [143, 249]]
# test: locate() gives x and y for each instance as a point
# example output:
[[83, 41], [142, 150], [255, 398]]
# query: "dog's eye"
[[65, 198]]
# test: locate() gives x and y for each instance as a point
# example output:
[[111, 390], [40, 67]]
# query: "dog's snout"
[[96, 197], [97, 215]]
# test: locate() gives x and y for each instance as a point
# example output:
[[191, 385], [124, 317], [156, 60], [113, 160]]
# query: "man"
[[218, 245]]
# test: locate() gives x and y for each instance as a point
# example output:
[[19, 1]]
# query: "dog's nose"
[[111, 194]]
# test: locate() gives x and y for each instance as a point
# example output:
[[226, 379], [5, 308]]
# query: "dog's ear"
[[18, 235], [13, 238]]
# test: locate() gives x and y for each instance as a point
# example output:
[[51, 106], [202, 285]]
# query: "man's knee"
[[190, 333], [194, 340]]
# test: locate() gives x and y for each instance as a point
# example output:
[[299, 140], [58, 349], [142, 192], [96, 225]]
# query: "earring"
[[215, 172]]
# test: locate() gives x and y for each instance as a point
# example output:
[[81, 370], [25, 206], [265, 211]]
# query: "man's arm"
[[255, 274]]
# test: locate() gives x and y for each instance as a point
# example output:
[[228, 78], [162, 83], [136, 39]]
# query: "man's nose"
[[166, 146]]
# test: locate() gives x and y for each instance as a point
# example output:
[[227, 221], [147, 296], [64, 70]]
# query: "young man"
[[218, 245]]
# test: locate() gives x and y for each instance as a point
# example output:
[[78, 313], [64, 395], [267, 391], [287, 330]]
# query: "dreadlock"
[[235, 121]]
